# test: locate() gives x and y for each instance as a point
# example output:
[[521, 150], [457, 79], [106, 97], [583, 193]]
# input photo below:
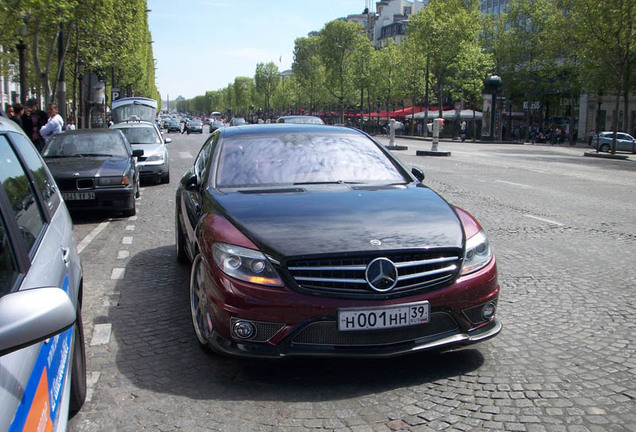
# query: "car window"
[[8, 268], [303, 158], [142, 135], [201, 164], [21, 195], [43, 179]]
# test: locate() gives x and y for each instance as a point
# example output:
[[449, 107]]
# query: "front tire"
[[78, 367], [605, 148], [201, 319]]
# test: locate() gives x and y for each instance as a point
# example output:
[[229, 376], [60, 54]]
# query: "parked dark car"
[[42, 355], [216, 124], [310, 240], [173, 125], [95, 169]]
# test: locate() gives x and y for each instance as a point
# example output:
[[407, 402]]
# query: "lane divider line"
[[543, 220], [91, 236], [101, 334]]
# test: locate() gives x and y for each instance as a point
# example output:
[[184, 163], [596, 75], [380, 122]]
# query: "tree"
[[444, 29], [337, 43], [309, 69], [530, 58], [605, 40], [266, 79], [387, 70]]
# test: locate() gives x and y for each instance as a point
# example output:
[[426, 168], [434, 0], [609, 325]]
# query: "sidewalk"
[[588, 151]]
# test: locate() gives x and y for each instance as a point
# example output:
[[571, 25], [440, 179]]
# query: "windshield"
[[137, 108], [141, 135], [303, 159], [102, 144]]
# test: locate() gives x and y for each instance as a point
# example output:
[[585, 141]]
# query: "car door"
[[192, 198], [32, 379]]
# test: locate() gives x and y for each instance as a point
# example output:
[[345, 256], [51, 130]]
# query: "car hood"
[[341, 219], [149, 149], [87, 167]]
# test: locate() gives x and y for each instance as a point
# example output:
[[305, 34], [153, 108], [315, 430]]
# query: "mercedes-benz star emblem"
[[381, 274]]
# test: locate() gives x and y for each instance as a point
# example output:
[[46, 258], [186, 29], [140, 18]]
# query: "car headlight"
[[245, 264], [478, 253], [155, 158], [113, 181]]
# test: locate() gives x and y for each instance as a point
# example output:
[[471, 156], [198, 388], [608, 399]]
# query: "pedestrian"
[[18, 110], [54, 125], [186, 127], [32, 121], [9, 111], [462, 130], [590, 139], [419, 128], [71, 125]]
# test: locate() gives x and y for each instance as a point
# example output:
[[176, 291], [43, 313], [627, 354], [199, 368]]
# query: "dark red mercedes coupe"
[[312, 240]]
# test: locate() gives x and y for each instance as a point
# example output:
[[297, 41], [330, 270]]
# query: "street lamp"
[[491, 85], [21, 32]]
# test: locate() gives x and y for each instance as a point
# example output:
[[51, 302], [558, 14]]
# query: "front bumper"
[[290, 324], [105, 199]]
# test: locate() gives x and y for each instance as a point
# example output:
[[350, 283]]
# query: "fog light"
[[488, 311], [244, 329]]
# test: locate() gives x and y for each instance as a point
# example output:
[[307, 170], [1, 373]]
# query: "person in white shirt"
[[71, 125], [54, 125]]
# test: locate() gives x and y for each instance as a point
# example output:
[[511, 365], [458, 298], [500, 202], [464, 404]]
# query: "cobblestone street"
[[562, 227]]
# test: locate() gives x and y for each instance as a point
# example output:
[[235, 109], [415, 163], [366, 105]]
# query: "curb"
[[606, 155]]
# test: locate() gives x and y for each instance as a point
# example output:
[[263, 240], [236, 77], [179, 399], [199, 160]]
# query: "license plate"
[[76, 196], [384, 317]]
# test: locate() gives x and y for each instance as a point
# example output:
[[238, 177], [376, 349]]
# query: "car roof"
[[274, 129], [7, 125], [133, 123]]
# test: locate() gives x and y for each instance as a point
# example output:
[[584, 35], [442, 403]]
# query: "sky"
[[202, 45]]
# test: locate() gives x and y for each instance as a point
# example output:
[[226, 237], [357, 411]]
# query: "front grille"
[[326, 333], [345, 276], [73, 184]]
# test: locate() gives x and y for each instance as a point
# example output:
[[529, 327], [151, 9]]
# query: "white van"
[[133, 108]]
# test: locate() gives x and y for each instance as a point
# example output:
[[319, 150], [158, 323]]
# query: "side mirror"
[[192, 182], [167, 140], [31, 316], [418, 173], [138, 153]]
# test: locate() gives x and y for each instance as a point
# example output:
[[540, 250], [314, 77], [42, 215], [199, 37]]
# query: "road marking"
[[127, 240], [130, 227], [185, 155], [123, 254], [515, 184], [91, 382], [118, 273], [91, 236], [101, 334], [543, 220]]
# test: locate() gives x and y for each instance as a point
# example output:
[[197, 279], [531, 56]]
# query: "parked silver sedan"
[[624, 142], [42, 357]]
